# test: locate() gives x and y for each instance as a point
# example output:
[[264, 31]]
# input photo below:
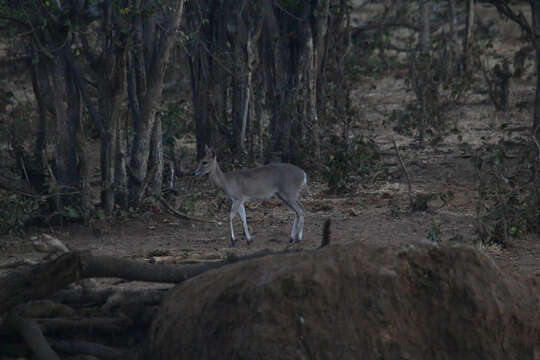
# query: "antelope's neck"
[[218, 178]]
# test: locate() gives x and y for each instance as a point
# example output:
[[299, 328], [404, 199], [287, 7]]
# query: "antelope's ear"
[[207, 149]]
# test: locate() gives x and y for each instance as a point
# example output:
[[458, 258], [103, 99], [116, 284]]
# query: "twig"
[[405, 171], [25, 173], [287, 12], [178, 213], [536, 142]]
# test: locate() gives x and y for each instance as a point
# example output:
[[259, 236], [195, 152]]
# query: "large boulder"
[[353, 302]]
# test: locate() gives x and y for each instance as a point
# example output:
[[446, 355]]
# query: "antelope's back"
[[265, 181], [288, 178]]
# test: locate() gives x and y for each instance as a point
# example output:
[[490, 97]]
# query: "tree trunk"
[[108, 166], [66, 111], [468, 39], [240, 89], [120, 176], [84, 171], [40, 84], [201, 103], [248, 116], [424, 43], [535, 11], [149, 77], [279, 83], [111, 90], [156, 158], [453, 46], [320, 13], [422, 60]]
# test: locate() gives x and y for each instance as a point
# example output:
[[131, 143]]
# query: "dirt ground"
[[372, 212]]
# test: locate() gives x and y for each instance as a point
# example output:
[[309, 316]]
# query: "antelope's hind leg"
[[234, 209], [298, 223], [242, 212], [300, 228]]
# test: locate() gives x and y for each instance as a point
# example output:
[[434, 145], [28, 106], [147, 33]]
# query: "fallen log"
[[102, 324], [33, 336], [89, 348], [43, 279], [79, 297]]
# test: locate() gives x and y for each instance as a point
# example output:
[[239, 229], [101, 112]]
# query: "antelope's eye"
[[205, 163]]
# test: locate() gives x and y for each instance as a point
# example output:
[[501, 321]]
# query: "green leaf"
[[71, 213], [100, 214]]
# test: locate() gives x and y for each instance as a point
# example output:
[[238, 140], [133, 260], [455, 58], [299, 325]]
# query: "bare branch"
[[178, 213], [405, 172], [504, 8]]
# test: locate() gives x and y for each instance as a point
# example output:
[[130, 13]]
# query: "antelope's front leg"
[[232, 214]]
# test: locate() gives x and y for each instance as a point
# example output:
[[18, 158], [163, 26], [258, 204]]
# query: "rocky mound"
[[353, 302]]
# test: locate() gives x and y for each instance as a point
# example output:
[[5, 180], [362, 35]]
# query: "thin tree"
[[153, 37]]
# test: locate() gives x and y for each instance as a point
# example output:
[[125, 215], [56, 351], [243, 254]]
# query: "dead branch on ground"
[[411, 200], [133, 307], [178, 213]]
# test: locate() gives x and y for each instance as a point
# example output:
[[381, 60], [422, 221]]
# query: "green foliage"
[[16, 211], [404, 119], [188, 204], [349, 158], [457, 239], [174, 120], [509, 204], [435, 233], [438, 89]]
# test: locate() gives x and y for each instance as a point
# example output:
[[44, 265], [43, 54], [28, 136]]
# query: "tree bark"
[[422, 60], [157, 46], [200, 83], [424, 43], [156, 157], [240, 89], [468, 38], [65, 151], [40, 85], [535, 11], [211, 76], [453, 46], [120, 177], [276, 55]]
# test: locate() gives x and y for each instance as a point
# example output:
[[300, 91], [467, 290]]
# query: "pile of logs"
[[57, 307]]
